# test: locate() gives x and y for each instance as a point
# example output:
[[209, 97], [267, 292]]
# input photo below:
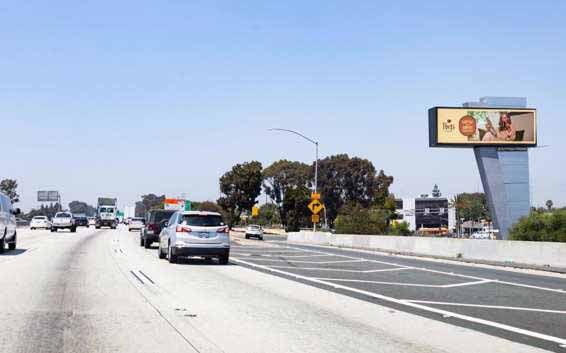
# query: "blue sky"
[[132, 97]]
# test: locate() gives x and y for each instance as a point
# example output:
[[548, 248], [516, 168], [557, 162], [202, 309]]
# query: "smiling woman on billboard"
[[505, 131]]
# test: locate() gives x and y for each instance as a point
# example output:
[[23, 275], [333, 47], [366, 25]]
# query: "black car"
[[154, 222], [81, 220]]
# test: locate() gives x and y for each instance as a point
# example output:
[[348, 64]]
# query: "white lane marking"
[[404, 283], [269, 251], [285, 253], [562, 291], [447, 273], [452, 274], [509, 328], [380, 282], [284, 256], [340, 269], [359, 258], [306, 262], [390, 269], [265, 248], [466, 284], [487, 306]]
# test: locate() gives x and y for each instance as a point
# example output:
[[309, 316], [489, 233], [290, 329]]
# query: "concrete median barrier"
[[516, 253]]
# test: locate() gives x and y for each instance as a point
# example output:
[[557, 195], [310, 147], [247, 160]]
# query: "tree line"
[[345, 184]]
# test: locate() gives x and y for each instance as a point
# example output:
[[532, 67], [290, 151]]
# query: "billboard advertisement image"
[[482, 126]]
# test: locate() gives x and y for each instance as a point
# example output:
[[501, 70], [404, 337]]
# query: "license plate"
[[204, 235]]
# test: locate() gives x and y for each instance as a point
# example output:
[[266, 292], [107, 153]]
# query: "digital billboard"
[[449, 126]]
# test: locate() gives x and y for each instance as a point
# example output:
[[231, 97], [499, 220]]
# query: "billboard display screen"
[[482, 126]]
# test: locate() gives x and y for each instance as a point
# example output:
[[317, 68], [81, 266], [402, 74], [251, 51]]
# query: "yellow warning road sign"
[[315, 218], [255, 211], [315, 206]]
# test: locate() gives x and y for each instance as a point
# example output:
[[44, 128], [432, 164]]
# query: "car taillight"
[[222, 230], [182, 229]]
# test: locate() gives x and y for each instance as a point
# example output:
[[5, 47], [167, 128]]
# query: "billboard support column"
[[504, 173]]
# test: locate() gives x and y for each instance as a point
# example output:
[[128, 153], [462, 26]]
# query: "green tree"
[[471, 206], [8, 187], [82, 207], [541, 226], [382, 197], [149, 202], [295, 205], [209, 206], [344, 180], [43, 210], [549, 204], [401, 228], [240, 187], [356, 219], [282, 176]]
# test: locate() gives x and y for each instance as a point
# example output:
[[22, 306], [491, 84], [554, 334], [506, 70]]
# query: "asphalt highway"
[[523, 307], [99, 291]]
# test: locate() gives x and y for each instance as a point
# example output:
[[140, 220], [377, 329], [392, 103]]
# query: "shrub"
[[541, 226], [401, 228], [358, 220]]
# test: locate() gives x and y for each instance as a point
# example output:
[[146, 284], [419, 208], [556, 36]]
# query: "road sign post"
[[315, 206]]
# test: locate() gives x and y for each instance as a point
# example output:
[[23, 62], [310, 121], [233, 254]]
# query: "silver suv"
[[7, 223], [195, 233], [254, 231]]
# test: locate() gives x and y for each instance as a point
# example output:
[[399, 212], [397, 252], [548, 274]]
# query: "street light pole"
[[315, 186], [316, 168]]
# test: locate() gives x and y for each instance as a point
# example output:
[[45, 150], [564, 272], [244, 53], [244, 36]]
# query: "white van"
[[7, 223]]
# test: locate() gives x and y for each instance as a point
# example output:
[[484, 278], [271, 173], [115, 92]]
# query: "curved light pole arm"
[[296, 133], [315, 188]]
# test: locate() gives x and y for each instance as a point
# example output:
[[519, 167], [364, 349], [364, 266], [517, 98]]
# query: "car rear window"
[[202, 220], [39, 217], [63, 215], [138, 220], [156, 217]]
